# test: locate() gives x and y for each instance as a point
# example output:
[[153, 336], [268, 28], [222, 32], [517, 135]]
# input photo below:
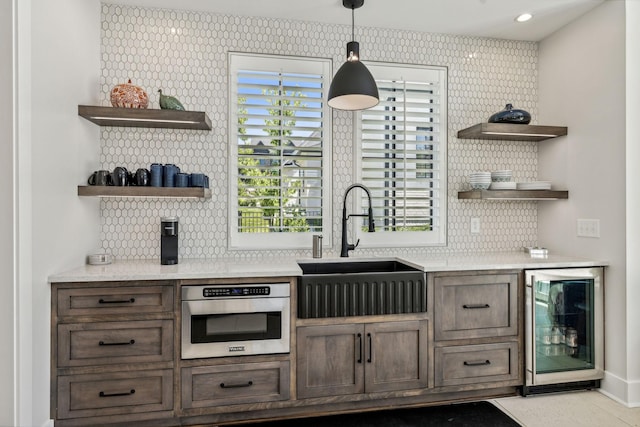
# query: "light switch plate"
[[588, 228], [475, 226]]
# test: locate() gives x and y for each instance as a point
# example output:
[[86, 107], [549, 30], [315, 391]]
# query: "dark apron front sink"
[[360, 288], [354, 267]]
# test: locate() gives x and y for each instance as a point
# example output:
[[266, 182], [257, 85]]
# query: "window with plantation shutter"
[[280, 146], [403, 155]]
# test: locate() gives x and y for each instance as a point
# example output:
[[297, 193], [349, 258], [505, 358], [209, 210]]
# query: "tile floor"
[[584, 409]]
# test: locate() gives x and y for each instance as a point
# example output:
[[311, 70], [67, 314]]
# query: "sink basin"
[[360, 288], [354, 267]]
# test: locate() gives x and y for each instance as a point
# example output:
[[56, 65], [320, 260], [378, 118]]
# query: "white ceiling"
[[482, 18]]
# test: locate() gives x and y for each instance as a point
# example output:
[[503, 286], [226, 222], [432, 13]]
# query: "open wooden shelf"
[[513, 194], [511, 132], [142, 117], [131, 191]]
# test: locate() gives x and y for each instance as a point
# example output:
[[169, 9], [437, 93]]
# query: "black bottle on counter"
[[169, 241]]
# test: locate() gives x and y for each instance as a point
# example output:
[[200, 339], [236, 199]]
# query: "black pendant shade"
[[353, 86]]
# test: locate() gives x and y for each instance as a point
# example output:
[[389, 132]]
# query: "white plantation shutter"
[[280, 146], [403, 155]]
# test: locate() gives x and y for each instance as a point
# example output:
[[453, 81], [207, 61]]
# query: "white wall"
[[582, 85], [64, 71], [633, 197], [7, 247]]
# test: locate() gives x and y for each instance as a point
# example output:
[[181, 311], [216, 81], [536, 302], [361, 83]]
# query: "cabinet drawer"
[[106, 343], [211, 386], [115, 393], [476, 306], [481, 363], [115, 300]]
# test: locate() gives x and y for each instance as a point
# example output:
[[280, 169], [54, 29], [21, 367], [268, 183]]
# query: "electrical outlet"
[[588, 228], [475, 225]]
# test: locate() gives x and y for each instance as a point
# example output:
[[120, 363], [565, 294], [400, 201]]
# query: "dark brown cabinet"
[[89, 398], [358, 358], [112, 352], [108, 343], [476, 364], [475, 306], [477, 328], [115, 357], [223, 385]]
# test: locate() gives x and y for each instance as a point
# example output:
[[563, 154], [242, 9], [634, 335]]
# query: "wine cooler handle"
[[529, 333]]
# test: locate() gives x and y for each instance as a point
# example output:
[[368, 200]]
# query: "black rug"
[[457, 415]]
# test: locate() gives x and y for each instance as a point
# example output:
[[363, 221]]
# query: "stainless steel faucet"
[[346, 246]]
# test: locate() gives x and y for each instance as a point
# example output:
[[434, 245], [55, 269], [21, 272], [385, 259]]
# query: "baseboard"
[[634, 394], [622, 391]]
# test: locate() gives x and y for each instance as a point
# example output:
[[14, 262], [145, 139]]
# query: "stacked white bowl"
[[501, 176], [501, 180], [480, 180]]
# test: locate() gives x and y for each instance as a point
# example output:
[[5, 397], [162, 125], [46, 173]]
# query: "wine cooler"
[[564, 329]]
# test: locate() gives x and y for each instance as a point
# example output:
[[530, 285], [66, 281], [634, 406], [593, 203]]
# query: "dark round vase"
[[511, 115]]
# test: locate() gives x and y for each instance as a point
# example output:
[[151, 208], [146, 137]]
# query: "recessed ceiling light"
[[524, 17]]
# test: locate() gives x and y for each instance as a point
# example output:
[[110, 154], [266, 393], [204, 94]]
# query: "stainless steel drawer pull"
[[478, 363], [471, 306], [223, 385], [117, 301], [126, 393], [130, 342]]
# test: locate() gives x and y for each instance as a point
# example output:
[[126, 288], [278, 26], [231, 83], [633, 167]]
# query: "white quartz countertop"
[[150, 269]]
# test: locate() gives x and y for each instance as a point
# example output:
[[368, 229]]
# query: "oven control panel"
[[236, 290], [243, 291]]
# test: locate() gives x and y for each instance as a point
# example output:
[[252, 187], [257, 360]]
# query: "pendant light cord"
[[353, 23]]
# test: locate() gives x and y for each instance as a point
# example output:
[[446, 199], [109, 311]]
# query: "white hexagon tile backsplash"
[[184, 53]]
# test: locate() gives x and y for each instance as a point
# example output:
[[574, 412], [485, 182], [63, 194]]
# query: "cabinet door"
[[477, 363], [330, 360], [113, 300], [396, 356], [476, 306], [221, 385], [115, 393], [108, 343]]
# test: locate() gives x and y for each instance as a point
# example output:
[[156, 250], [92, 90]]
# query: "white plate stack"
[[535, 185], [501, 180], [480, 180]]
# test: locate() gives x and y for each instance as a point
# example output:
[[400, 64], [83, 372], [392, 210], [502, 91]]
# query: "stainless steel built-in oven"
[[234, 320], [564, 329]]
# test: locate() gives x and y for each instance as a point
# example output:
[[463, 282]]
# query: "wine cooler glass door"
[[564, 325]]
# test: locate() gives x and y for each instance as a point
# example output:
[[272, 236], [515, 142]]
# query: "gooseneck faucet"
[[346, 246]]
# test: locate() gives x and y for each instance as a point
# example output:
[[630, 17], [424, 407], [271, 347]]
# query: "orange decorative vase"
[[127, 95]]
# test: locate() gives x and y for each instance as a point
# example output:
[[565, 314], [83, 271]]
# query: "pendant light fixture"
[[353, 86]]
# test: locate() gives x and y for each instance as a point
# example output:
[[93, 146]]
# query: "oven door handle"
[[247, 384]]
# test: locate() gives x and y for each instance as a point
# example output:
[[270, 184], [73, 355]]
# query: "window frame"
[[382, 239], [287, 64]]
